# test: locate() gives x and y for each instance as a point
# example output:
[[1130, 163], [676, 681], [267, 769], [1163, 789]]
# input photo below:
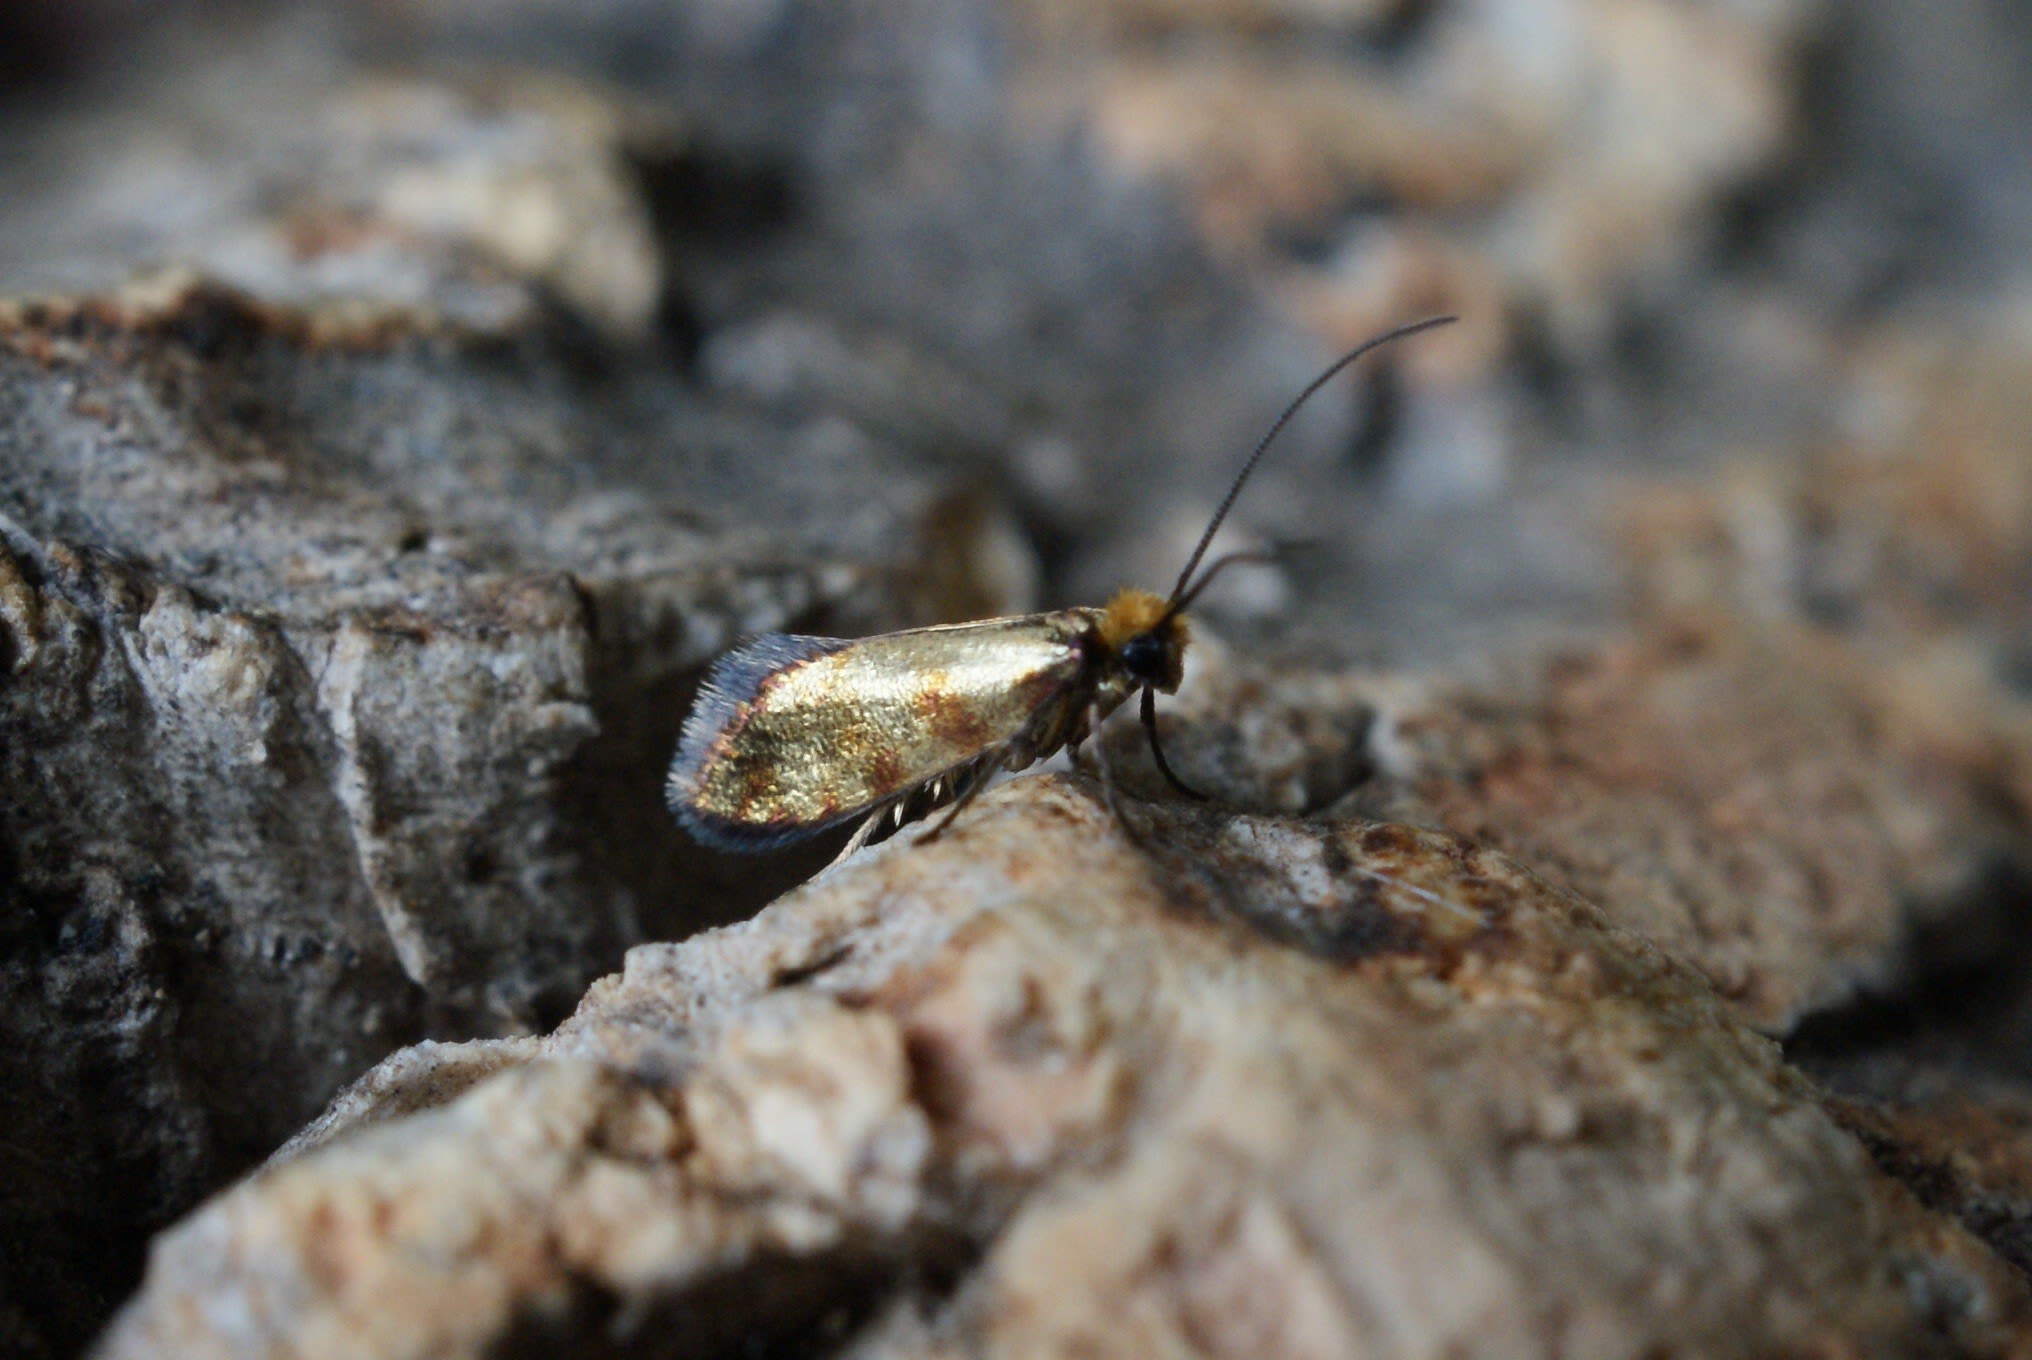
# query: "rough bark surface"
[[304, 759], [1034, 1089]]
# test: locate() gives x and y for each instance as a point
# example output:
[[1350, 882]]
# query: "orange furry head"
[[1129, 613], [1140, 629]]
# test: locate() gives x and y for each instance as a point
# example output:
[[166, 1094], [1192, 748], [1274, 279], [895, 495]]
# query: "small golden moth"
[[791, 735]]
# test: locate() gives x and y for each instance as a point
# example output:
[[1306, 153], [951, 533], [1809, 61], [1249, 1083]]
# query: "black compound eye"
[[1143, 656]]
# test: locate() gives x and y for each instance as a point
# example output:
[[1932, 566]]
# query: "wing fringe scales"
[[723, 703]]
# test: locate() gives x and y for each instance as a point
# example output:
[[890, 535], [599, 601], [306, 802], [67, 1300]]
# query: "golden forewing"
[[792, 734]]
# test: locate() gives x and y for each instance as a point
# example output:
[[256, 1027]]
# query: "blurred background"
[[1077, 253], [756, 313]]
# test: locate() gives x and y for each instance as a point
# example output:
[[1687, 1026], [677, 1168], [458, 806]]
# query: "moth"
[[792, 735]]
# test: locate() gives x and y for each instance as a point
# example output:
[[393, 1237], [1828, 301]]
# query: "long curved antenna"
[[1261, 558], [1150, 728], [1235, 489]]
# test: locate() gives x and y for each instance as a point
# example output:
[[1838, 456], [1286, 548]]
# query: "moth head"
[[1147, 637]]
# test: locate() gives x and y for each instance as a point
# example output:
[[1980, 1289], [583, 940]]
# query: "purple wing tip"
[[741, 838], [722, 704]]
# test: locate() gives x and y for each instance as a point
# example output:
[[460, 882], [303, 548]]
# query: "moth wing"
[[791, 735]]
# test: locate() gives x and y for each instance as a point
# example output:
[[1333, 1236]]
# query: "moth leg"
[[860, 836], [1087, 726], [1108, 791], [975, 784], [1164, 766]]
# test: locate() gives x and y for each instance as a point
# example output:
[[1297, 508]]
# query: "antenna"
[[1179, 597]]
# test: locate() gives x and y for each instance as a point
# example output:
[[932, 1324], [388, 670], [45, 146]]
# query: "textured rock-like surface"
[[478, 201], [320, 665], [1744, 798], [354, 574], [1034, 1090], [1965, 1149], [1735, 798]]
